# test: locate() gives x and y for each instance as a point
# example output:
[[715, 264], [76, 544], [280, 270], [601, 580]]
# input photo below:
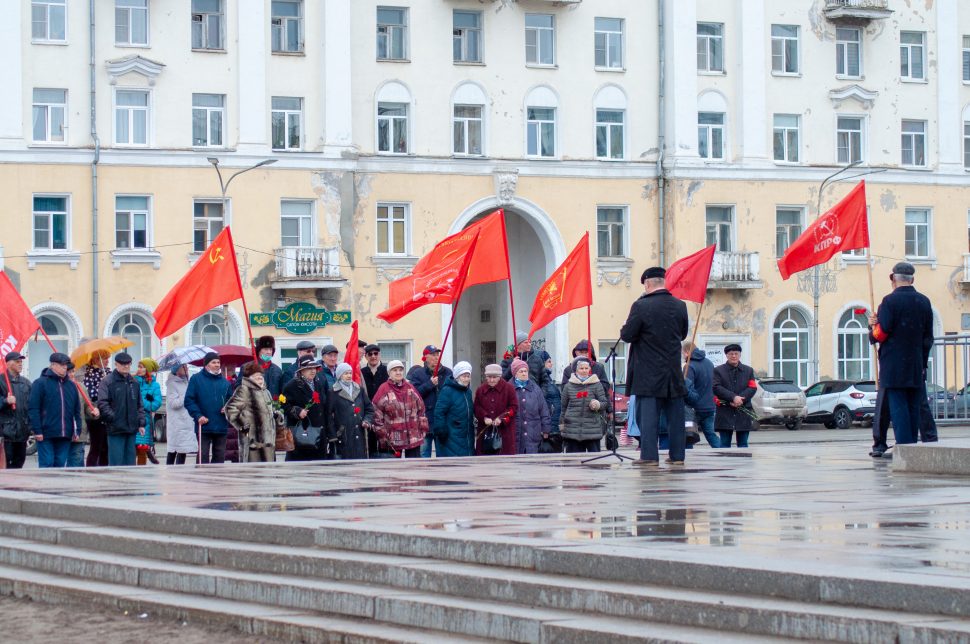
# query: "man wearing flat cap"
[[903, 327], [120, 403], [654, 330], [734, 387], [54, 410]]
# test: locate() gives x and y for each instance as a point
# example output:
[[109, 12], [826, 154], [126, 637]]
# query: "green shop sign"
[[299, 318]]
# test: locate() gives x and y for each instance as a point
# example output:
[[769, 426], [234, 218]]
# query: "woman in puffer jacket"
[[179, 426], [250, 411], [454, 415], [584, 409], [151, 400]]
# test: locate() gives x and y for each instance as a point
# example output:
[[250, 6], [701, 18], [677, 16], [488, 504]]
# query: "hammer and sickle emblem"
[[215, 254]]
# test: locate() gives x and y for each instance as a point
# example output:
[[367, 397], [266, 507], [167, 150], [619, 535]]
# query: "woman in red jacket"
[[495, 407]]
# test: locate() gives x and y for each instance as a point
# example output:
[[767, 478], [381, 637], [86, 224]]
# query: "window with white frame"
[[720, 227], [208, 120], [968, 230], [209, 330], [966, 59], [392, 33], [710, 135], [50, 215], [788, 226], [609, 134], [392, 128], [286, 26], [966, 145], [611, 231], [604, 351], [854, 351], [395, 351], [857, 253], [791, 355], [608, 43], [912, 48], [914, 143], [541, 131], [131, 22], [849, 139], [48, 20], [785, 138], [710, 47], [784, 49], [136, 328], [208, 220], [467, 36], [49, 115], [132, 117], [131, 222], [468, 130], [208, 23], [540, 39], [918, 233], [296, 223], [38, 351], [848, 52], [393, 222], [287, 120]]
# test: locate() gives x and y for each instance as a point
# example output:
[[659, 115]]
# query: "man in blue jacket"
[[205, 400], [428, 385], [700, 391], [55, 413]]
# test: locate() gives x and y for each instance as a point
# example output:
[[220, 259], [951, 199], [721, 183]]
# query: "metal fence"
[[948, 379]]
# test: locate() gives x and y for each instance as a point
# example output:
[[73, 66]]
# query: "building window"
[[791, 347], [468, 130], [609, 134], [207, 24], [788, 226], [136, 328], [966, 145], [131, 223], [39, 352], [208, 119], [48, 20], [395, 351], [710, 135], [49, 112], [608, 42], [911, 55], [855, 358], [611, 231], [131, 117], [131, 22], [287, 118], [392, 128], [392, 33], [849, 139], [604, 351], [786, 137], [710, 47], [209, 330], [393, 222], [914, 143], [296, 223], [966, 59], [541, 131], [50, 222], [208, 220], [286, 26], [784, 49], [467, 36], [918, 233], [857, 253], [848, 52], [720, 227], [540, 39]]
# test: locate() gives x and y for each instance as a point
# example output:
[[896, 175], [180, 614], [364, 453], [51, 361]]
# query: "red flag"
[[352, 356], [570, 287], [687, 277], [212, 280], [844, 227], [17, 323]]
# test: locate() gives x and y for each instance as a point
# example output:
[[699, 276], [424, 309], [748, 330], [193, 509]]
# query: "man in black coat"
[[903, 326], [272, 374], [654, 331], [14, 411], [119, 400], [375, 375], [734, 387]]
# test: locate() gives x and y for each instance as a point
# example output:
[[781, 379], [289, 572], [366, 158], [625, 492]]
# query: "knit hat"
[[493, 370], [395, 364], [520, 337], [150, 365], [342, 368], [251, 368], [518, 364], [209, 357], [461, 368], [122, 358]]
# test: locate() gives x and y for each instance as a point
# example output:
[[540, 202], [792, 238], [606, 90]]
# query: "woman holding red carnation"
[[584, 409], [351, 415], [305, 407]]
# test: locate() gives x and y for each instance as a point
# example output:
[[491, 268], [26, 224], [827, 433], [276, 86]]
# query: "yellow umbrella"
[[87, 350]]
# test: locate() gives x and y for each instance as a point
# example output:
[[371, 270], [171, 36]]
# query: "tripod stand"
[[611, 426]]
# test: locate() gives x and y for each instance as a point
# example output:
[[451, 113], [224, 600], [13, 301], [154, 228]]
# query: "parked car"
[[779, 402], [839, 403]]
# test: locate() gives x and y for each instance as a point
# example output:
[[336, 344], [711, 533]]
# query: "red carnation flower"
[[316, 397], [356, 410]]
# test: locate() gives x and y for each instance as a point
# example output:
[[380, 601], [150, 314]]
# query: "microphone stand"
[[611, 426]]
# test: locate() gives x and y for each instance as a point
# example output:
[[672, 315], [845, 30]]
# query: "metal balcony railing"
[[857, 4], [735, 267]]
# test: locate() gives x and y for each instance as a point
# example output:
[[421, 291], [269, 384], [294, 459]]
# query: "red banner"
[[687, 277], [570, 287], [17, 323]]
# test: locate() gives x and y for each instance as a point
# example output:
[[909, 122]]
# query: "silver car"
[[779, 402]]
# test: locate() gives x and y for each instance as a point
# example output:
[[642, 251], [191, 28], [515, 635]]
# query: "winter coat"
[[119, 401], [420, 377], [906, 316], [537, 367], [599, 370], [298, 394], [250, 411], [373, 379], [554, 399], [151, 401], [15, 423], [92, 380], [54, 407], [533, 418], [454, 420], [325, 378], [206, 395], [700, 382], [656, 326], [179, 426], [730, 382], [348, 413], [273, 377], [579, 422], [500, 402], [400, 419]]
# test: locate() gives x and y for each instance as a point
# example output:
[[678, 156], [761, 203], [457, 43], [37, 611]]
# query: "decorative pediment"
[[134, 63], [864, 97]]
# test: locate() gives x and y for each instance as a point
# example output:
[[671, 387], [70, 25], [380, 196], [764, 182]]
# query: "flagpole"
[[9, 387], [872, 306], [693, 336], [242, 296], [589, 329], [454, 306], [508, 267]]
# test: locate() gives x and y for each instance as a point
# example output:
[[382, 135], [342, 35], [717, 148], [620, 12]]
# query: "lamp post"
[[224, 186]]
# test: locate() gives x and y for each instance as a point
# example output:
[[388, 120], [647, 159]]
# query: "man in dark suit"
[[656, 326]]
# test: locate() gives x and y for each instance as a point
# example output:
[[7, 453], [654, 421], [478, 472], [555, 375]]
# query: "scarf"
[[520, 384], [350, 388], [582, 378]]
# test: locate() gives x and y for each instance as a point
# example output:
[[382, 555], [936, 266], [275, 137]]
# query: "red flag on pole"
[[17, 323], [212, 280], [352, 356], [844, 227], [687, 277], [570, 287]]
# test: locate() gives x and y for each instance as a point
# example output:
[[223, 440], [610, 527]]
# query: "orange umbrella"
[[87, 350]]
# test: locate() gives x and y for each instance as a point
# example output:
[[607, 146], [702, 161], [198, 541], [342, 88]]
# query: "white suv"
[[839, 403], [779, 402]]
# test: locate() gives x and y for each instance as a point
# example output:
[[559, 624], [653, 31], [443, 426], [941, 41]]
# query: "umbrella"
[[86, 350], [183, 355], [231, 355]]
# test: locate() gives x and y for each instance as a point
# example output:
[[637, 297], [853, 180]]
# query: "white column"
[[338, 110], [948, 79], [253, 26], [12, 34], [752, 103], [680, 32]]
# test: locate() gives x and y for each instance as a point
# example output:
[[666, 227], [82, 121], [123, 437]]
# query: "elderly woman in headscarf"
[[533, 421], [351, 415], [454, 414], [151, 400], [251, 412], [495, 409]]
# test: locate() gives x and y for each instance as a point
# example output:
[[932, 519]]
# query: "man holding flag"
[[14, 422]]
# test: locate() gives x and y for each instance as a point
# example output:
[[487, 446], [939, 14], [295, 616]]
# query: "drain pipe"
[[661, 134], [94, 185]]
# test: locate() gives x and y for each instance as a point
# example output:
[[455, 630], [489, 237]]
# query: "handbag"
[[284, 439], [491, 441], [307, 437]]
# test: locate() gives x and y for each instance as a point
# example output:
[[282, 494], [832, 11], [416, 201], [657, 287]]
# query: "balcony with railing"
[[736, 270], [307, 267], [856, 11], [965, 276]]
